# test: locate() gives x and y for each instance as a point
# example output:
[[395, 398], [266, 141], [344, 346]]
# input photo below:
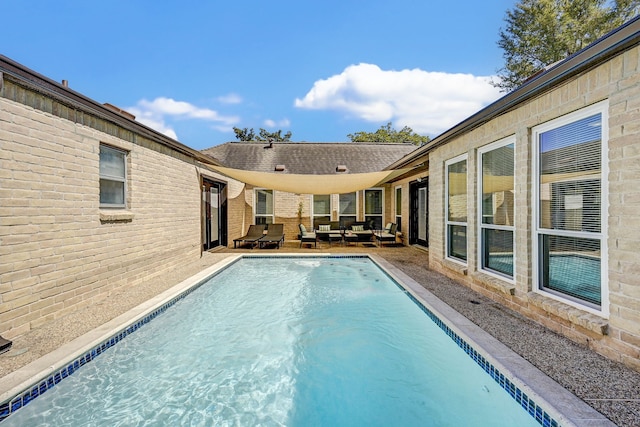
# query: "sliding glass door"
[[214, 214]]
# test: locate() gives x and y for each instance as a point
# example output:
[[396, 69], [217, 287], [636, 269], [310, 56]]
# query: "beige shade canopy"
[[312, 184]]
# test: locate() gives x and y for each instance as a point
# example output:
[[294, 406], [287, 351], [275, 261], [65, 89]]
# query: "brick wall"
[[617, 336], [59, 251]]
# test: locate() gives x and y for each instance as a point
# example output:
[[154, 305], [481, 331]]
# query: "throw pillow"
[[357, 227], [325, 227]]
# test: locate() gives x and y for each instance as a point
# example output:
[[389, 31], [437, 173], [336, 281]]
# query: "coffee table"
[[351, 238], [335, 238]]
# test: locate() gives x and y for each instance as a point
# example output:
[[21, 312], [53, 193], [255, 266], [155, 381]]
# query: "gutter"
[[29, 79], [608, 46]]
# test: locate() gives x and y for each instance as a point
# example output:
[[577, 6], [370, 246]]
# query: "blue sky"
[[195, 69]]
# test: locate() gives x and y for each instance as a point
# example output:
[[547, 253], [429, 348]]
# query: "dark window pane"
[[571, 266], [348, 204], [498, 251], [346, 220], [111, 192], [457, 239], [375, 221], [373, 202], [321, 204]]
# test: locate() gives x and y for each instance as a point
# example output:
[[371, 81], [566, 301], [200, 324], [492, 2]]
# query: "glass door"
[[419, 214], [214, 214]]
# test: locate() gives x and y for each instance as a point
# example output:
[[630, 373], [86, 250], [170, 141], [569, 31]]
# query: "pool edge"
[[571, 411], [30, 375], [560, 403]]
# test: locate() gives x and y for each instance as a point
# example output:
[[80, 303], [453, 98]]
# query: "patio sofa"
[[361, 229], [324, 229]]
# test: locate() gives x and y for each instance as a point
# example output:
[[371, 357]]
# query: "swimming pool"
[[296, 334]]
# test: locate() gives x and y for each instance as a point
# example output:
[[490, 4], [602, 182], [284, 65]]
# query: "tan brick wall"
[[617, 337], [57, 252]]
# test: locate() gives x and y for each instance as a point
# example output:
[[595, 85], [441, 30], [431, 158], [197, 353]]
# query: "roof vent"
[[279, 168], [341, 168]]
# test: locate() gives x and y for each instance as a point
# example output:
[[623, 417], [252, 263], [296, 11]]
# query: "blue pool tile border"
[[25, 397], [526, 402], [39, 388]]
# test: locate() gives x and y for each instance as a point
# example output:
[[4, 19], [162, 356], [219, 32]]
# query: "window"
[[399, 208], [456, 208], [113, 177], [373, 208], [570, 180], [496, 190], [264, 206], [321, 208], [348, 212]]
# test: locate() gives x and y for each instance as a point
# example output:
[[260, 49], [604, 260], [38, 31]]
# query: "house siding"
[[59, 251], [617, 81]]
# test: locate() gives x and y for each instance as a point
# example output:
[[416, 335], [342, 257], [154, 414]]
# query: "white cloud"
[[158, 112], [284, 123], [428, 102], [231, 98]]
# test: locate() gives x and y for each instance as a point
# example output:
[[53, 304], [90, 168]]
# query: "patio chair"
[[306, 237], [254, 234], [387, 235], [275, 234]]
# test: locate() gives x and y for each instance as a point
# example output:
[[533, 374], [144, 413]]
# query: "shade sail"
[[312, 184]]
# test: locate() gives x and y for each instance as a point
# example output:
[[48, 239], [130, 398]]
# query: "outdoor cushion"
[[324, 227], [303, 230], [357, 227]]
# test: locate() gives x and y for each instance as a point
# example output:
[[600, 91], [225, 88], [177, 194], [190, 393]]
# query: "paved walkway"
[[609, 387]]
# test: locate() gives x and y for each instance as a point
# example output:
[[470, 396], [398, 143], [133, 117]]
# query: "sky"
[[193, 70]]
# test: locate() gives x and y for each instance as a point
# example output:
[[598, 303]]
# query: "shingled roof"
[[309, 157]]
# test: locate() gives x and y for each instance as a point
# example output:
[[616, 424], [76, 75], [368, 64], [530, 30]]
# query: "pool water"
[[293, 342]]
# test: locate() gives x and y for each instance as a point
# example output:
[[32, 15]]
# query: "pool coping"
[[18, 382], [564, 407]]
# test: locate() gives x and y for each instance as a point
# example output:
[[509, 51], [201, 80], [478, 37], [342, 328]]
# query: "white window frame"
[[398, 215], [364, 205], [114, 178], [601, 108], [447, 222], [480, 241], [313, 213], [255, 205]]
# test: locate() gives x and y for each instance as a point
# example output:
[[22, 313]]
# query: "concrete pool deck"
[[609, 387]]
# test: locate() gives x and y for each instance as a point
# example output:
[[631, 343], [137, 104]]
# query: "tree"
[[542, 32], [246, 134], [387, 134], [273, 136]]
